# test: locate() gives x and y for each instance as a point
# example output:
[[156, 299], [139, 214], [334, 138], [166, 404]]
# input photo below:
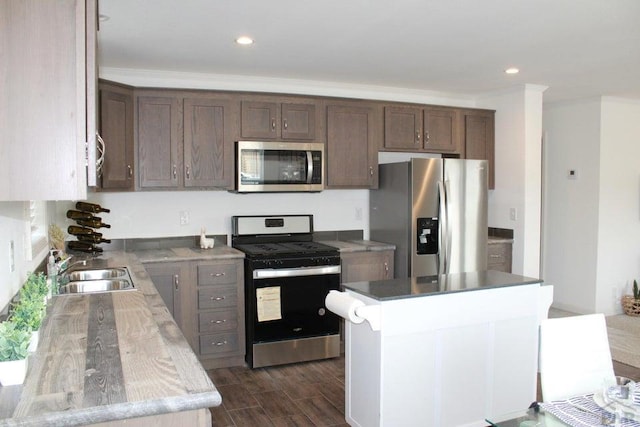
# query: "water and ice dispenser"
[[427, 236]]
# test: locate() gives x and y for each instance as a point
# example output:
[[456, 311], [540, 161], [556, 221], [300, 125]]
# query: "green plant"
[[636, 293], [27, 313], [14, 342], [35, 286]]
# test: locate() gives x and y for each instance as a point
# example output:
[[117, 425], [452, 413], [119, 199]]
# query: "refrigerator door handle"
[[443, 252]]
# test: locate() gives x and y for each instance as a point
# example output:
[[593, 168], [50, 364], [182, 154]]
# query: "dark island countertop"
[[109, 356], [394, 289]]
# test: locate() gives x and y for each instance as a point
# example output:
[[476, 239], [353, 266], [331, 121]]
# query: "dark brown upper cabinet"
[[279, 120], [159, 141], [116, 130], [186, 140], [353, 133], [478, 137], [421, 129]]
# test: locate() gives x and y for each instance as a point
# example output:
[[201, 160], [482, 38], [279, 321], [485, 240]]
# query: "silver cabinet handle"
[[371, 170], [130, 172], [217, 322], [495, 256], [188, 172], [219, 343], [386, 267], [273, 124], [176, 281], [175, 171], [217, 274], [418, 133], [285, 124], [217, 298], [426, 137]]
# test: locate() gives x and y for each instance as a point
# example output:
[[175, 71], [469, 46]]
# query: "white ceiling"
[[578, 48]]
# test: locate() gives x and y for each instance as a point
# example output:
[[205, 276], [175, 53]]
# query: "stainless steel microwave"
[[279, 166]]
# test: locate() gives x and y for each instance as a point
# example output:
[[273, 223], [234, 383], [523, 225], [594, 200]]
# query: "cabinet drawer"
[[217, 297], [218, 343], [220, 274], [218, 321], [499, 257]]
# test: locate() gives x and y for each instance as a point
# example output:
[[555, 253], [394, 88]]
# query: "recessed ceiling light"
[[244, 40], [512, 70]]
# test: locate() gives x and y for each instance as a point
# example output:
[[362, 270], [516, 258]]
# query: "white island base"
[[445, 359]]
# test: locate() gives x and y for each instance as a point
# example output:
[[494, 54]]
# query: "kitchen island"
[[447, 350], [111, 359]]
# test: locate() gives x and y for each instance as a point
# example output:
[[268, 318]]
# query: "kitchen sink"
[[89, 280], [93, 286], [106, 273]]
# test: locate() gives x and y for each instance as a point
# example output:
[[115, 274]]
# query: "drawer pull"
[[219, 343], [217, 298], [217, 274], [495, 256], [217, 322]]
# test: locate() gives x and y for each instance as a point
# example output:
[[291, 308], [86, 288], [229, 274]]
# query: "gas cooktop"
[[265, 250]]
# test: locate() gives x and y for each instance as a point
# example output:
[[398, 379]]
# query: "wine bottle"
[[75, 230], [92, 238], [93, 223], [83, 247], [79, 214], [90, 207]]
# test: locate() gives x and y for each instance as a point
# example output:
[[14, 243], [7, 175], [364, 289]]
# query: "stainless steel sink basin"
[[106, 273], [93, 286], [87, 281]]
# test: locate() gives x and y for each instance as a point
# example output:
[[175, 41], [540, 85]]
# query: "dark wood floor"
[[303, 394]]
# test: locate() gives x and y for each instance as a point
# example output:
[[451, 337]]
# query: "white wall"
[[157, 214], [14, 227], [592, 223], [619, 226], [518, 171], [571, 205]]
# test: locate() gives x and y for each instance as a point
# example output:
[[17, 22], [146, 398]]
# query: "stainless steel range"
[[287, 277]]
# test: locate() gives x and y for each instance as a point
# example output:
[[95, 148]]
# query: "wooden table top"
[[108, 356]]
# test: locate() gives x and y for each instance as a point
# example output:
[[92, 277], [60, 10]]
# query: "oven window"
[[261, 167], [293, 307]]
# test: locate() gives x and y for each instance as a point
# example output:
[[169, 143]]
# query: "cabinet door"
[[260, 120], [440, 130], [298, 121], [478, 131], [43, 120], [168, 279], [366, 266], [159, 121], [352, 146], [403, 128], [208, 144], [116, 129]]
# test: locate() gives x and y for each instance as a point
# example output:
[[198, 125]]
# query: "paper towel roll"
[[344, 305]]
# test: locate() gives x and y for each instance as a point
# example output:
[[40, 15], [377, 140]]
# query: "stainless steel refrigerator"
[[435, 212]]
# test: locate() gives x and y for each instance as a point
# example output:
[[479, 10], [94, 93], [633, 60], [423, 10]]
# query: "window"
[[36, 228]]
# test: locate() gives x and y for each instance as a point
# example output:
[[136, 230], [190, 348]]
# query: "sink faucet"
[[63, 270]]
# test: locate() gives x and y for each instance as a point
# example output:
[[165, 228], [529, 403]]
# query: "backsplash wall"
[[157, 214]]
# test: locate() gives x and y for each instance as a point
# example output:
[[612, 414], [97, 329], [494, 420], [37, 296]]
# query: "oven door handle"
[[269, 273]]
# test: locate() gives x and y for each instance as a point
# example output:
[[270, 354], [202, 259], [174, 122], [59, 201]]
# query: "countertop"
[[358, 245], [187, 254], [496, 240], [394, 289], [109, 356]]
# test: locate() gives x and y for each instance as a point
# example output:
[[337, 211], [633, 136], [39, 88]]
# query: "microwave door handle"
[[309, 167]]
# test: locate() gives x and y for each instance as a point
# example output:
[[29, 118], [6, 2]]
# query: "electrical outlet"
[[184, 217], [513, 214], [358, 214]]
